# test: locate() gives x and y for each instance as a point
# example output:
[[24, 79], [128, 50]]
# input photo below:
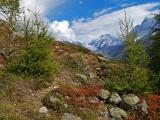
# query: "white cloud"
[[109, 22], [96, 14], [42, 6], [62, 31]]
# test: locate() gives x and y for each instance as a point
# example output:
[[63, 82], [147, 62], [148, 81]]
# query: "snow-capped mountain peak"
[[105, 40]]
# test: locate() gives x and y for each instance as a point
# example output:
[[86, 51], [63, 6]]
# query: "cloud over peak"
[[109, 22], [62, 30]]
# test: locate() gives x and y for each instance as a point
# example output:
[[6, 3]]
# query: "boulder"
[[89, 72], [81, 76], [53, 100], [129, 102], [68, 116], [43, 110], [115, 98], [142, 106], [131, 99], [118, 113], [104, 94]]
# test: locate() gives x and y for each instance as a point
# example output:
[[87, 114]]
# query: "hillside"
[[85, 86]]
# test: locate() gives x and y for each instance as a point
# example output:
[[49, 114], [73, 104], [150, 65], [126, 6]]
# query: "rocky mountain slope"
[[108, 45], [77, 91]]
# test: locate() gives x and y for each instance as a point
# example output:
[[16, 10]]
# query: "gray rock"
[[68, 116], [89, 72], [104, 94], [103, 59], [131, 99], [118, 113], [81, 76], [115, 98], [53, 100], [143, 106], [43, 110], [93, 100], [104, 114]]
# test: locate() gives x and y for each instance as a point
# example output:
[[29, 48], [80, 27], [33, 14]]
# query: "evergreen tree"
[[136, 57], [154, 50], [154, 54]]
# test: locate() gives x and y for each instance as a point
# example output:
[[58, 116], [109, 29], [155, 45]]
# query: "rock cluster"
[[115, 106]]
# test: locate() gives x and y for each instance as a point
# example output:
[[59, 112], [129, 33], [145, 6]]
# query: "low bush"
[[35, 61], [154, 83], [121, 80]]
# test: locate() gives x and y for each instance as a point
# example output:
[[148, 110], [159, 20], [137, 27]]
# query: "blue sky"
[[85, 20], [75, 9]]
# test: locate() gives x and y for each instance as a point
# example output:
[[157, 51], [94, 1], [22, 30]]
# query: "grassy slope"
[[19, 98]]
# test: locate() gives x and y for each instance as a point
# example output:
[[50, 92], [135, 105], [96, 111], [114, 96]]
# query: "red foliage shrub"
[[85, 102], [153, 102], [81, 96], [83, 91], [2, 59]]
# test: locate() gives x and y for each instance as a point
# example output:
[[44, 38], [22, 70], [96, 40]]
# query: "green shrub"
[[36, 60], [154, 82], [120, 81]]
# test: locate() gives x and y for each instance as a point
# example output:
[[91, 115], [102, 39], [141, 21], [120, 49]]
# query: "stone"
[[53, 100], [115, 98], [103, 59], [89, 72], [68, 116], [143, 106], [104, 94], [104, 114], [81, 77], [43, 110], [93, 100], [131, 99], [118, 113]]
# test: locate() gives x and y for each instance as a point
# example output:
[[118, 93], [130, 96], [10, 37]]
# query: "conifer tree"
[[154, 54], [154, 50], [136, 58]]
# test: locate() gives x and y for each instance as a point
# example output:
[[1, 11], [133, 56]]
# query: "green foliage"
[[36, 58], [119, 81], [35, 61], [134, 77], [154, 54], [154, 50], [154, 82]]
